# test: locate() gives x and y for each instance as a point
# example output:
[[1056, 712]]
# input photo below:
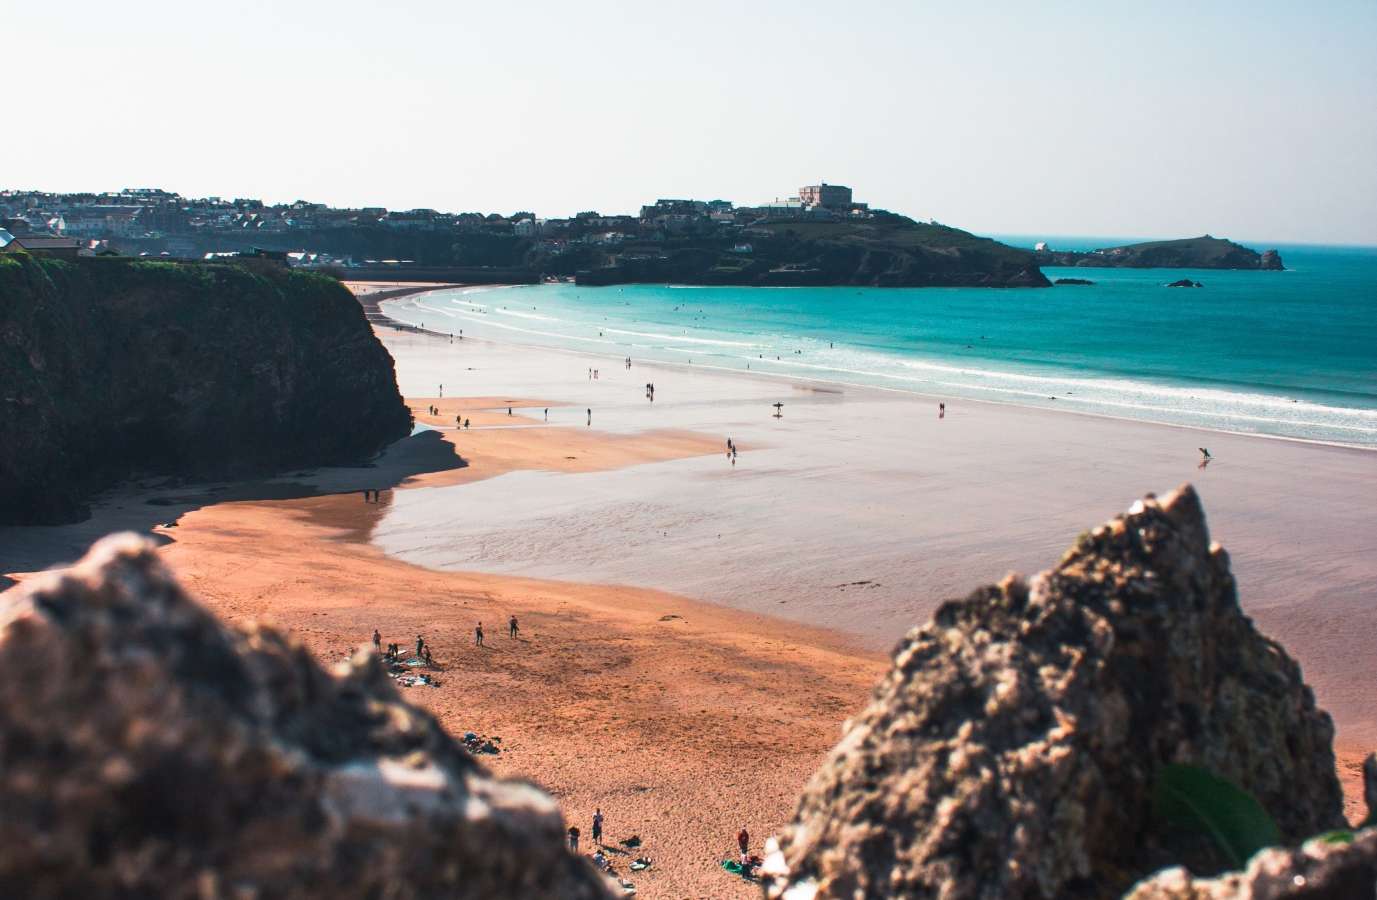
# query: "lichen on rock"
[[1013, 749], [148, 751]]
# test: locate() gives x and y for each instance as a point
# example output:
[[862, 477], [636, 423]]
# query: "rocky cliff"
[[148, 751], [1016, 748], [110, 367], [1203, 252]]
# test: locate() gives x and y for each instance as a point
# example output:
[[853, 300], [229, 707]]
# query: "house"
[[525, 228], [62, 247], [412, 219], [104, 220]]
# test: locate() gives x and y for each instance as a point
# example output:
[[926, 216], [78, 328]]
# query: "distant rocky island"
[[1205, 252], [115, 367]]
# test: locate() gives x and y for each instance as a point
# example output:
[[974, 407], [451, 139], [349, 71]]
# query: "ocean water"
[[1289, 354]]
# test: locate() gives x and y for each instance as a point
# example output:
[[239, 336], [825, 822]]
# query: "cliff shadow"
[[141, 505]]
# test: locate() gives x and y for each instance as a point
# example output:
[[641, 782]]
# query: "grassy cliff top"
[[891, 231]]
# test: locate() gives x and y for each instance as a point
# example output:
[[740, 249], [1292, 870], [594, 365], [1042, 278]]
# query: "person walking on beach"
[[442, 391], [377, 641], [574, 838], [597, 826], [466, 424], [429, 663], [511, 628], [547, 413], [590, 416], [478, 635], [509, 410], [420, 645], [743, 840], [941, 410]]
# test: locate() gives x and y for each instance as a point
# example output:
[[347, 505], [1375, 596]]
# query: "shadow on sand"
[[143, 505]]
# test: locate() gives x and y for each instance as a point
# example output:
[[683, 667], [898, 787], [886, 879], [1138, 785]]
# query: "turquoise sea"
[[1291, 354]]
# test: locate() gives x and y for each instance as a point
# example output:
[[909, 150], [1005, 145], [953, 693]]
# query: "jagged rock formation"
[[112, 367], [1205, 252], [1013, 749], [147, 751]]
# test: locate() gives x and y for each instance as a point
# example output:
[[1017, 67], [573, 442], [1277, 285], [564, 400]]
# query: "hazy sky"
[[1249, 120]]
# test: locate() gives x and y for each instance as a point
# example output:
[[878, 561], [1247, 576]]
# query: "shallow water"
[[1290, 353]]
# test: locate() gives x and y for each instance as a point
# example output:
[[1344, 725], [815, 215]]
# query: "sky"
[[1244, 120]]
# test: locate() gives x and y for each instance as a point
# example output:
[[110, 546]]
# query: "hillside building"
[[827, 196]]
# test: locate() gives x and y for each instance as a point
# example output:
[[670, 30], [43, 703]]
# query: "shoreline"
[[860, 386], [951, 486]]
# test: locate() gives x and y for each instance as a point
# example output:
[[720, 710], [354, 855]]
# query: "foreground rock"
[[1013, 749], [1318, 871], [147, 751], [111, 368]]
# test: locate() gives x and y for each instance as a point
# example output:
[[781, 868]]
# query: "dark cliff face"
[[111, 367]]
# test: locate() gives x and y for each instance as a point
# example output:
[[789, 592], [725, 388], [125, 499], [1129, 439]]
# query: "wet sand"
[[680, 720]]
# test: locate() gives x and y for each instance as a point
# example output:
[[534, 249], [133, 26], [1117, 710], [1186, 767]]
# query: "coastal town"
[[158, 223]]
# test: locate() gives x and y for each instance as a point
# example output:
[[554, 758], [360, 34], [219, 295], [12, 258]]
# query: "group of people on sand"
[[592, 374], [650, 391], [731, 451], [574, 835], [513, 629], [370, 495], [394, 651], [748, 861]]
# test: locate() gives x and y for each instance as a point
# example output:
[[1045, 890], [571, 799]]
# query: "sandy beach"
[[860, 510], [693, 633]]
